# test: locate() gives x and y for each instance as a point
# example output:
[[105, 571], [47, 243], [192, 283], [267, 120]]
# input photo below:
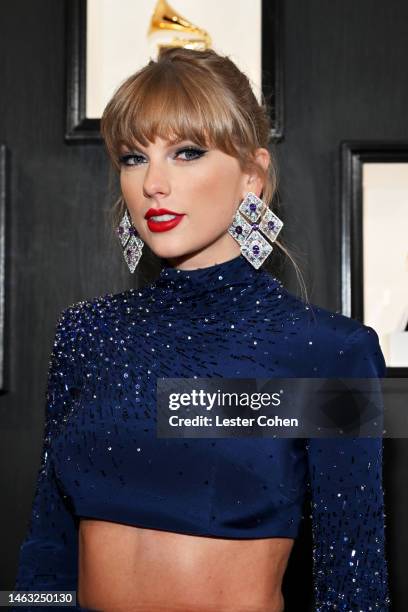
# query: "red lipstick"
[[162, 226]]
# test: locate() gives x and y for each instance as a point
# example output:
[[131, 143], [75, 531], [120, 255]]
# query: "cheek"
[[131, 183], [127, 186], [217, 189]]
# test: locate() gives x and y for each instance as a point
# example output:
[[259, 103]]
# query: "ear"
[[253, 180]]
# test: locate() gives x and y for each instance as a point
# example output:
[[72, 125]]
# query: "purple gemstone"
[[252, 207], [255, 226], [255, 249], [271, 225], [238, 229]]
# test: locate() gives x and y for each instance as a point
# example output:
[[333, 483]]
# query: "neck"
[[205, 258], [169, 264]]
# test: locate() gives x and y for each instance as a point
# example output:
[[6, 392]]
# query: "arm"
[[48, 554], [349, 561]]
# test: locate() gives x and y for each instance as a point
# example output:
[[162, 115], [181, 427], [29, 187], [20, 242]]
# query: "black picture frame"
[[4, 193], [355, 153], [79, 128]]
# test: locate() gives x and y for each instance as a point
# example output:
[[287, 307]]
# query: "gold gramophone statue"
[[169, 29]]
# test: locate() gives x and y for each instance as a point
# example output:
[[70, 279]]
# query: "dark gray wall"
[[345, 78]]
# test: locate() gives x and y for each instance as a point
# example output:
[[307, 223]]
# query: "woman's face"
[[202, 186]]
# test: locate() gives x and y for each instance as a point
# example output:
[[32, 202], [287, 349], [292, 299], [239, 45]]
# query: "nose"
[[156, 180]]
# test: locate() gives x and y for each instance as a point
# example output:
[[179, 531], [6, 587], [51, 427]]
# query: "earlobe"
[[250, 186], [254, 185]]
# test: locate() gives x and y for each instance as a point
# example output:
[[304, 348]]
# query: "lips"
[[153, 212], [162, 226]]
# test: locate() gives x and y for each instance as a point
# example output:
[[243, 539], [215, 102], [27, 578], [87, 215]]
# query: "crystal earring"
[[248, 220], [131, 243]]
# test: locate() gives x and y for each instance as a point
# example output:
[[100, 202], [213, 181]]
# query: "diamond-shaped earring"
[[245, 228], [131, 243]]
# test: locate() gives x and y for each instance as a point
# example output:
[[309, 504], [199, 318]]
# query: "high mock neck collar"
[[231, 272], [214, 291]]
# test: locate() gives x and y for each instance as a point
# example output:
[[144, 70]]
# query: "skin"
[[207, 189], [121, 566]]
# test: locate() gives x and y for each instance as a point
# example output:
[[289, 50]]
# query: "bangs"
[[173, 105]]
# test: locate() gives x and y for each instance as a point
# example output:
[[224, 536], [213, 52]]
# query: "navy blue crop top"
[[102, 459]]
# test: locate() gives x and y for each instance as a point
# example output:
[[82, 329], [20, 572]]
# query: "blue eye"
[[125, 159], [196, 152], [133, 159]]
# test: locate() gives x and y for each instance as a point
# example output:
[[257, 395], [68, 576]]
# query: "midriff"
[[124, 568]]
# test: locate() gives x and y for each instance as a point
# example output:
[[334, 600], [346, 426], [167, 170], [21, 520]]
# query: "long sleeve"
[[349, 557], [48, 554]]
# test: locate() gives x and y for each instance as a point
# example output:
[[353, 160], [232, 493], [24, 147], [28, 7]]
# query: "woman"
[[136, 522]]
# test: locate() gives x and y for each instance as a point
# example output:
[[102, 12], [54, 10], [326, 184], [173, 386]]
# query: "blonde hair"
[[195, 95]]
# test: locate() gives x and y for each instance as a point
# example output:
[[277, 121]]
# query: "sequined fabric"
[[101, 457]]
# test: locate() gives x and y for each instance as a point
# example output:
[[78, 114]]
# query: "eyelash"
[[200, 152]]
